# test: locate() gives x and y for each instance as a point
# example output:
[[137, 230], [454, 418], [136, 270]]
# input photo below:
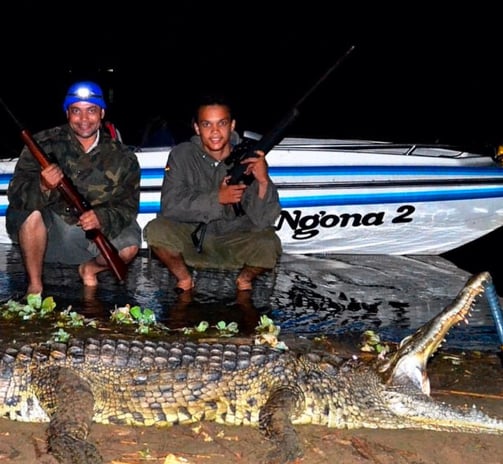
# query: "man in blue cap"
[[103, 170]]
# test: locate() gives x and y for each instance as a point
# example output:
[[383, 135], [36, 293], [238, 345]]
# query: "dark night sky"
[[417, 74]]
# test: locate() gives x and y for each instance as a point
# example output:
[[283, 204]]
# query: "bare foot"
[[87, 275], [34, 290], [243, 284], [184, 285], [247, 276]]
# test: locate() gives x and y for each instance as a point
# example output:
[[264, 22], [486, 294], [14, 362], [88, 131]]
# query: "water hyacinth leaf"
[[202, 326], [34, 300], [149, 316], [221, 325], [135, 311], [48, 305], [233, 327], [61, 335]]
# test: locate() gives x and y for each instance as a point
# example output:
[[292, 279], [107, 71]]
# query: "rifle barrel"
[[272, 138]]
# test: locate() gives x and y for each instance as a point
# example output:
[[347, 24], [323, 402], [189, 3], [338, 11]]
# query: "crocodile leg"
[[71, 421], [275, 423]]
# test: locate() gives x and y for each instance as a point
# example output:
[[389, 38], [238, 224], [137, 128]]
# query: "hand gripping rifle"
[[75, 200], [247, 148]]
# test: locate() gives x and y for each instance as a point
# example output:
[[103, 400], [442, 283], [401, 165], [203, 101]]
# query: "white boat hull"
[[359, 197]]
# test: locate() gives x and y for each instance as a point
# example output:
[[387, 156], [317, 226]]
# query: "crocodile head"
[[408, 363]]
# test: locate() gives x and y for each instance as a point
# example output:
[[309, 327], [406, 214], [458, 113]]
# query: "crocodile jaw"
[[408, 363]]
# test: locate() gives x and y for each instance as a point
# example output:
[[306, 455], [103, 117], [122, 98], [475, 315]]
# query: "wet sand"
[[336, 296]]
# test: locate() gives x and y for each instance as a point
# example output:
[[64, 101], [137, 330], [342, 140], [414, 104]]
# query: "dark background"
[[418, 73]]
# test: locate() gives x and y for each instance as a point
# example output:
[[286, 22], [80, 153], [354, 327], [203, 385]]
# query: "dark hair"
[[210, 100]]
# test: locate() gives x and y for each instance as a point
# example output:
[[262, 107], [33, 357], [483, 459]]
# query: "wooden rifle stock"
[[76, 201]]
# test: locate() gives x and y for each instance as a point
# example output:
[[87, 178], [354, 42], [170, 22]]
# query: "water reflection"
[[306, 295]]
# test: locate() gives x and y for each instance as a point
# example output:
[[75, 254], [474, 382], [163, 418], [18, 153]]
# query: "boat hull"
[[359, 197]]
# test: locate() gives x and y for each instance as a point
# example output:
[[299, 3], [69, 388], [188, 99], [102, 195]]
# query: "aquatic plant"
[[143, 319], [33, 307]]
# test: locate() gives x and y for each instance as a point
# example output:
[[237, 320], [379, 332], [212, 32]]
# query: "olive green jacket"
[[190, 194]]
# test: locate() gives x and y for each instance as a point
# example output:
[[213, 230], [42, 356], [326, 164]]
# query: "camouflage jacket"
[[108, 178]]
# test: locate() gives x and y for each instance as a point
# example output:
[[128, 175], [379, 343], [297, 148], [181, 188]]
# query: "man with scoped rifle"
[[213, 216], [103, 170], [196, 195]]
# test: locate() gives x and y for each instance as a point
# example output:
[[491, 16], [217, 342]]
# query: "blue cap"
[[85, 91]]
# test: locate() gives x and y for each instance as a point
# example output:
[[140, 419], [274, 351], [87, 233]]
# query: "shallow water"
[[340, 295]]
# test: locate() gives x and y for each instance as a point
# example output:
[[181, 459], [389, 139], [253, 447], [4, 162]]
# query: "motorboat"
[[358, 196]]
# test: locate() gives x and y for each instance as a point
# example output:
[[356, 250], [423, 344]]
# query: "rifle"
[[75, 200], [247, 148]]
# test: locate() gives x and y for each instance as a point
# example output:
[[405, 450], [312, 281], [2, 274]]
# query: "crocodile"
[[162, 383]]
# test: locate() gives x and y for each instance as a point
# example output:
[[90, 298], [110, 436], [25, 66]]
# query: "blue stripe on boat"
[[370, 198], [296, 171], [392, 197], [303, 171]]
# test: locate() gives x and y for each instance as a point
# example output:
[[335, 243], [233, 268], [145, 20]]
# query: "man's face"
[[85, 118], [214, 125]]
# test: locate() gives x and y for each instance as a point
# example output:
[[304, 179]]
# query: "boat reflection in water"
[[338, 295]]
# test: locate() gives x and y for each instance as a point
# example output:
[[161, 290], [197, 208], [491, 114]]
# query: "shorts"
[[68, 244], [260, 248]]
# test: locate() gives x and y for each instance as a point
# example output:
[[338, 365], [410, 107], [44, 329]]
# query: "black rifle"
[[248, 147], [75, 200]]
